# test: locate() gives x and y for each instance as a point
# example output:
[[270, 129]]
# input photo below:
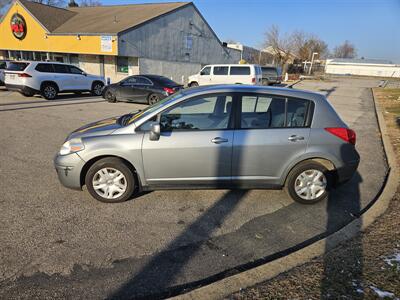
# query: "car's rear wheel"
[[49, 91], [110, 97], [97, 88], [27, 94], [309, 183], [153, 98], [110, 180]]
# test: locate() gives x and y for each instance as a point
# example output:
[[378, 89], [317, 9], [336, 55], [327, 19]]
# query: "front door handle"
[[295, 138], [219, 140]]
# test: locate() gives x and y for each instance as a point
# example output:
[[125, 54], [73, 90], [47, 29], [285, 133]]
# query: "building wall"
[[364, 70], [38, 39], [177, 71], [167, 38]]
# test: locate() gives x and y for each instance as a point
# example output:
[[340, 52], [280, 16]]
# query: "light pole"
[[312, 61]]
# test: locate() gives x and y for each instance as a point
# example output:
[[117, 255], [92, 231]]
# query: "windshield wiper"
[[123, 120]]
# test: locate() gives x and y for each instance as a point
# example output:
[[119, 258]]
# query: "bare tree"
[[346, 50], [306, 44], [84, 3], [281, 46]]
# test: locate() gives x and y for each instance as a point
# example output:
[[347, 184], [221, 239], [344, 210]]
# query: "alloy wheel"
[[109, 183], [310, 184]]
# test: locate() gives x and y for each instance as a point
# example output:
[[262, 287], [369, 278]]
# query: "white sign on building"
[[106, 43]]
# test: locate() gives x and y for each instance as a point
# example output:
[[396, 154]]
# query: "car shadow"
[[60, 98]]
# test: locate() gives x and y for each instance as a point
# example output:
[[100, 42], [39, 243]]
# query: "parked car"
[[227, 74], [3, 66], [227, 136], [141, 88], [271, 75], [50, 78]]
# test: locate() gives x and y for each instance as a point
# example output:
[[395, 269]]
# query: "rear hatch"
[[14, 73]]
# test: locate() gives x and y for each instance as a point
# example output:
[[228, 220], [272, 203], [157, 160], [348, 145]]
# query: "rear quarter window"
[[219, 70], [240, 71], [17, 66]]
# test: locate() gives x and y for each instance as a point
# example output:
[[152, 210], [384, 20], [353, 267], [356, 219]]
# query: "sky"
[[373, 26]]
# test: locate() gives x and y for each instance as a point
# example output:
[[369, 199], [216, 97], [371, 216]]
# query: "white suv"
[[227, 74], [50, 78], [3, 66]]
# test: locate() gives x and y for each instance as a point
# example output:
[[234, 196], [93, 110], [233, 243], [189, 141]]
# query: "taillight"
[[24, 75], [253, 80], [169, 90], [345, 134]]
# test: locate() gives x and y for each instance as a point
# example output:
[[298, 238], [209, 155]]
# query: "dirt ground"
[[366, 267]]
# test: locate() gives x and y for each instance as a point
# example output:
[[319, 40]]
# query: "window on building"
[[188, 42], [219, 70], [240, 71], [122, 64]]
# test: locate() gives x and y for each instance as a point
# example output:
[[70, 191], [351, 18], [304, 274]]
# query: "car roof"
[[241, 88], [235, 65]]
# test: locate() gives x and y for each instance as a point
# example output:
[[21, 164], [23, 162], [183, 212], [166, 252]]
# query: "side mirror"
[[201, 73], [84, 74], [155, 131]]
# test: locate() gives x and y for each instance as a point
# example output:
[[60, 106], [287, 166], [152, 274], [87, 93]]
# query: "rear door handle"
[[219, 140], [295, 138]]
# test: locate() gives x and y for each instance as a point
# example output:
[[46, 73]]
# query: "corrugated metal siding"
[[164, 39]]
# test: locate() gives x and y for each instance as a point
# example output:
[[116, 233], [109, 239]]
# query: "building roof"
[[98, 19], [360, 61]]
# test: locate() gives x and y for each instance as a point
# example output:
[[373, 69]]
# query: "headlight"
[[72, 146]]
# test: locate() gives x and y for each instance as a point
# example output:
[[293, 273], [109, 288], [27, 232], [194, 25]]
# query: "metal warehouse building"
[[364, 67], [170, 39]]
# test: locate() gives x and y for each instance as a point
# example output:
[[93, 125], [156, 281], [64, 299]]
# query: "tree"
[[281, 47], [306, 44], [85, 3], [346, 50]]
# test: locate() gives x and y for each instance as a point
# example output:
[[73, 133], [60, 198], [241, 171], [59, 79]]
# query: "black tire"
[[111, 163], [152, 99], [110, 97], [307, 168], [193, 84], [49, 91], [26, 94], [97, 88]]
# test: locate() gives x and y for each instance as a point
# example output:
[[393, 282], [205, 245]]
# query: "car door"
[[79, 80], [240, 74], [63, 78], [272, 132], [220, 75], [126, 89], [141, 89], [205, 76], [195, 146]]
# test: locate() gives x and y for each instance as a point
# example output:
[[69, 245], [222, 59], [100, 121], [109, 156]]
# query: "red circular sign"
[[18, 26]]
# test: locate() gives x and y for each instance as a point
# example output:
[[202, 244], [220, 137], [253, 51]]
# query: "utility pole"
[[312, 61]]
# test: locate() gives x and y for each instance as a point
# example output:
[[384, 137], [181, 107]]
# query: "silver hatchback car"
[[246, 137]]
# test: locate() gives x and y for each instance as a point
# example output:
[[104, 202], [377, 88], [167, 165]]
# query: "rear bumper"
[[69, 168], [21, 88]]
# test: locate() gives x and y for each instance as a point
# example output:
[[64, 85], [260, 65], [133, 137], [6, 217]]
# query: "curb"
[[232, 284]]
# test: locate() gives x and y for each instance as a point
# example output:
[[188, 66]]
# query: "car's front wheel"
[[193, 84], [309, 183], [97, 88], [49, 91], [110, 180]]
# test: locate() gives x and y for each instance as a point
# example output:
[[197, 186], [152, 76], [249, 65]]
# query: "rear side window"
[[143, 81], [262, 112], [17, 66], [240, 71], [45, 68], [75, 70], [61, 68], [221, 70]]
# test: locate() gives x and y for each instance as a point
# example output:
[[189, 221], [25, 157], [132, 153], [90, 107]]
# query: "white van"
[[227, 74]]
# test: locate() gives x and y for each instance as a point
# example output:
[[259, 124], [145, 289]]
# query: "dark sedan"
[[141, 88]]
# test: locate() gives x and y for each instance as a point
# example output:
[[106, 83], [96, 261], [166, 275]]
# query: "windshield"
[[152, 108], [17, 66]]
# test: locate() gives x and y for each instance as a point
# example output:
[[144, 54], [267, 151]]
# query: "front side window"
[[200, 113], [122, 64], [75, 70], [240, 71], [219, 70], [262, 112], [61, 68], [143, 81], [206, 71]]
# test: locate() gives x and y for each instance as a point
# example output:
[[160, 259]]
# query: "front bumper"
[[21, 88], [69, 168]]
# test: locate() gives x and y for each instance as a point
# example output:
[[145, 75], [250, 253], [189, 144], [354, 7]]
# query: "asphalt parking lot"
[[61, 243]]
